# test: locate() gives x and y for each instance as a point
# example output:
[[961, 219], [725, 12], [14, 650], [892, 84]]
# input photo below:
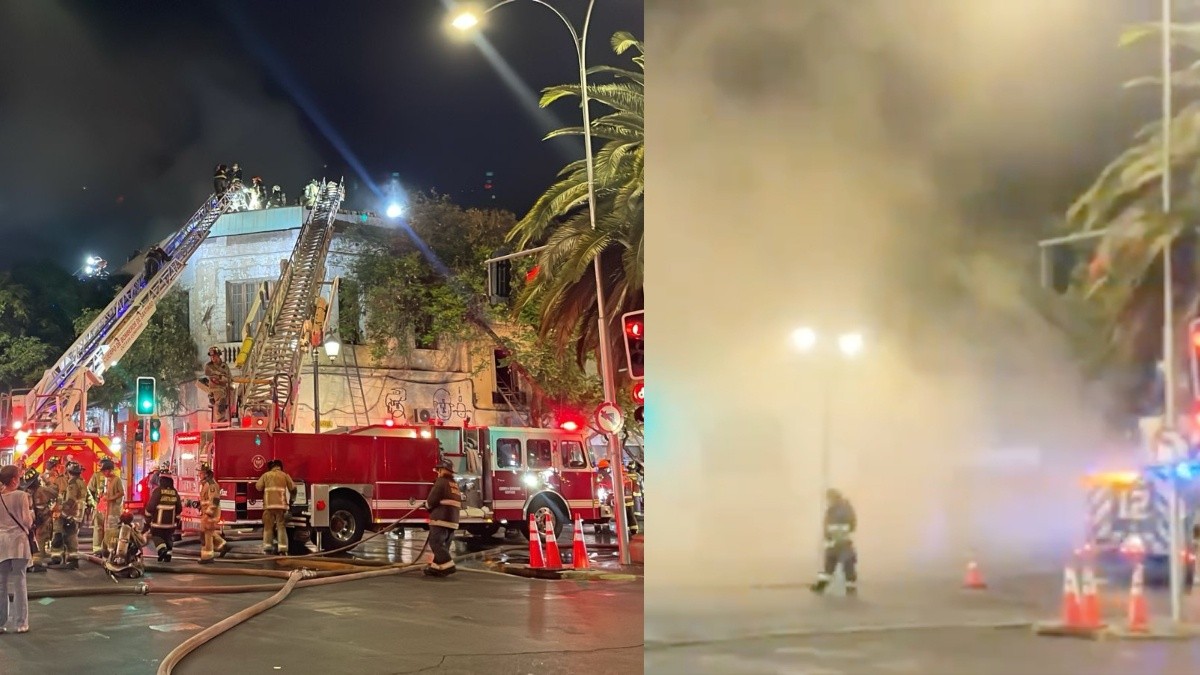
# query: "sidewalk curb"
[[846, 630]]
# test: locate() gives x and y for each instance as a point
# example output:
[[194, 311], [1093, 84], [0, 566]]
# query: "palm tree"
[[1122, 282], [562, 289]]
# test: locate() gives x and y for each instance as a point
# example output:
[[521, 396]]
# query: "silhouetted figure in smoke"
[[156, 259], [220, 179]]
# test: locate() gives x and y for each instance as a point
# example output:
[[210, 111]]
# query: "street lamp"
[[466, 19], [333, 347], [805, 340]]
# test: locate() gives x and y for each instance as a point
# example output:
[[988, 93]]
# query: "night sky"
[[112, 115]]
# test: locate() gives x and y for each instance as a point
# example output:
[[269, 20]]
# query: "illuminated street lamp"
[[466, 19], [333, 347], [850, 345]]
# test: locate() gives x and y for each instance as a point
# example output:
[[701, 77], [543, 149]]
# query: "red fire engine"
[[362, 479]]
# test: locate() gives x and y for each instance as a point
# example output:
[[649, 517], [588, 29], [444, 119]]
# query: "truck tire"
[[347, 523], [540, 508]]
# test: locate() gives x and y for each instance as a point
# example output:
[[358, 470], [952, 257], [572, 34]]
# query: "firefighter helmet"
[[213, 351], [126, 518], [107, 465], [445, 464], [30, 479], [53, 462], [74, 468]]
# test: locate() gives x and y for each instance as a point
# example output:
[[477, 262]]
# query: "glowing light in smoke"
[[465, 20], [394, 210]]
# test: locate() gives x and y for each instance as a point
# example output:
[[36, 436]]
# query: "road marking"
[[93, 634], [825, 653], [174, 627], [340, 611], [114, 608]]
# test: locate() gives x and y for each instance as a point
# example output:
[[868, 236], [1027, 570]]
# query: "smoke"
[[109, 134], [879, 166]]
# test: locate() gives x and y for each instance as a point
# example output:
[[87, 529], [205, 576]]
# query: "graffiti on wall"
[[443, 404]]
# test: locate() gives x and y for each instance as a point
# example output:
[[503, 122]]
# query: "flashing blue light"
[[1184, 471]]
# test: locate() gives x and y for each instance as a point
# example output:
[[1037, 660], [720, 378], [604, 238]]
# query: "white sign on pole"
[[609, 418]]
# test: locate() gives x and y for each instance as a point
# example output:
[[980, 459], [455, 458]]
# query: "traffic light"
[[155, 430], [639, 414], [147, 401], [635, 329], [639, 397], [138, 435]]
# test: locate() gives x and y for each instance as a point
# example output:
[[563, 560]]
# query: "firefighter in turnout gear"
[[125, 560], [840, 524], [210, 517], [220, 179], [311, 191], [44, 498], [216, 371], [108, 493], [162, 514], [64, 545], [277, 488], [443, 505]]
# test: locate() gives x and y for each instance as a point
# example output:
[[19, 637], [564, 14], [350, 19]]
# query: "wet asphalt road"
[[476, 621]]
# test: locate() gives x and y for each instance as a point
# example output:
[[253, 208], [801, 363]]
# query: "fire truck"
[[354, 480], [48, 420], [1129, 510]]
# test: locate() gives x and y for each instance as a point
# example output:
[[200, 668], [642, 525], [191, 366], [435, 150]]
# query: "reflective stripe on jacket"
[[443, 503], [163, 508], [276, 487]]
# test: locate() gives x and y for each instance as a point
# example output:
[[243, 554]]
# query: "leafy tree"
[[165, 350], [564, 289], [23, 357], [426, 283], [1122, 281]]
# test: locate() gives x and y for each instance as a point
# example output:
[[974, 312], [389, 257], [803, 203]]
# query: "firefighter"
[[126, 558], [43, 525], [56, 474], [310, 193], [64, 544], [235, 173], [219, 379], [108, 493], [156, 259], [443, 505], [278, 198], [220, 179], [277, 488], [259, 200], [210, 517], [840, 524], [162, 514]]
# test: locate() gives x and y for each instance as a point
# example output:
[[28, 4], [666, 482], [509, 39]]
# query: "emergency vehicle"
[[1127, 509], [31, 450]]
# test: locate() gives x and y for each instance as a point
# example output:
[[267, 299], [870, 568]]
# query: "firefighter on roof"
[[443, 505], [277, 488], [219, 379], [220, 179], [108, 493], [210, 516], [840, 524], [310, 193], [162, 513], [235, 172], [64, 545]]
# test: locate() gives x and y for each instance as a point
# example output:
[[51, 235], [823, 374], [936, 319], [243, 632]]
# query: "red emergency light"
[[635, 328], [639, 392], [570, 425], [389, 422]]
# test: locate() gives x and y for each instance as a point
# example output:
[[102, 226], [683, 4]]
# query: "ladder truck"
[[50, 419]]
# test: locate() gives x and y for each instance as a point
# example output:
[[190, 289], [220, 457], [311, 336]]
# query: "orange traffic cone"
[[535, 545], [974, 579], [1072, 613], [1090, 605], [553, 559], [1139, 614], [579, 556]]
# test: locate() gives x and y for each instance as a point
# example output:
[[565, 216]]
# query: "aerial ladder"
[[52, 403], [270, 370]]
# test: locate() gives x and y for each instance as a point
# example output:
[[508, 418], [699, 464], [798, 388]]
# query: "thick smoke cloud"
[[883, 166], [138, 122]]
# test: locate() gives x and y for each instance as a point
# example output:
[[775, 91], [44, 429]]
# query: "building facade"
[[454, 383]]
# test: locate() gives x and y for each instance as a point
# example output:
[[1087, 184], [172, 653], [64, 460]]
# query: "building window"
[[240, 297], [423, 333], [506, 380]]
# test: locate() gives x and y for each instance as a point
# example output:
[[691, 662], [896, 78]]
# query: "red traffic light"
[[635, 327], [639, 392]]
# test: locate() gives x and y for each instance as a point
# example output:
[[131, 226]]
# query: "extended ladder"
[[53, 401], [272, 368]]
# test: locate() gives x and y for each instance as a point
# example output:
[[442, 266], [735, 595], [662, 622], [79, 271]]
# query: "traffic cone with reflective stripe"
[[1072, 613], [579, 556], [535, 545], [974, 579], [553, 559], [1139, 613], [1090, 605]]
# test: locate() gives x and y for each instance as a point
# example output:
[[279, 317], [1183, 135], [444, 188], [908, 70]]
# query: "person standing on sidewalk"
[[209, 504], [443, 505], [16, 522], [840, 524]]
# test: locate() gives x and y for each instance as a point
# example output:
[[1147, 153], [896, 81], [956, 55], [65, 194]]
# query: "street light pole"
[[607, 377], [1169, 413], [316, 392]]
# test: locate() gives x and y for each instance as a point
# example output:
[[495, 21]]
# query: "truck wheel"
[[298, 538], [347, 523], [541, 508]]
